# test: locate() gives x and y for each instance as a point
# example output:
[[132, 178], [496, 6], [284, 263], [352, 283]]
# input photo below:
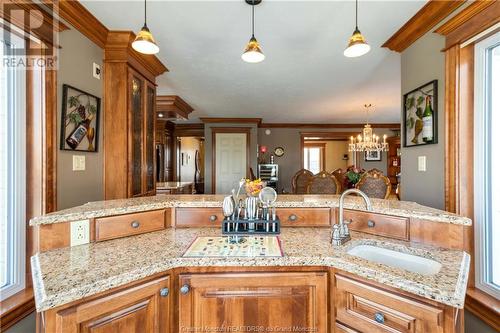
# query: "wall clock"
[[279, 151]]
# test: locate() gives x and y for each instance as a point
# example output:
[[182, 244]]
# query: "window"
[[12, 172], [487, 164], [314, 160]]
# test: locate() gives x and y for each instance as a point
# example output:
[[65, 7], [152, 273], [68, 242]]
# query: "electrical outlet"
[[80, 232]]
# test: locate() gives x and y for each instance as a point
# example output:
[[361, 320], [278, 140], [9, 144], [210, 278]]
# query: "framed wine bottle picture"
[[420, 114], [79, 120]]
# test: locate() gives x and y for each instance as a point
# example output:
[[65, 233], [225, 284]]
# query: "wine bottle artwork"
[[420, 115], [79, 130], [427, 120]]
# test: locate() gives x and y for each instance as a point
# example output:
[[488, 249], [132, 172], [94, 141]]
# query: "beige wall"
[[420, 63], [76, 57], [334, 152]]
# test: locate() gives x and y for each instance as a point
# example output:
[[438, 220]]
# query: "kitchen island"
[[144, 279]]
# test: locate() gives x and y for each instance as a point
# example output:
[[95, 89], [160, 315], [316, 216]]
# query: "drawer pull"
[[185, 289], [213, 218], [379, 317], [292, 218], [164, 292], [135, 224], [371, 224]]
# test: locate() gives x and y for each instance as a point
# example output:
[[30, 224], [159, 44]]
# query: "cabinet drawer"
[[341, 328], [369, 309], [198, 217], [130, 224], [304, 217], [378, 224]]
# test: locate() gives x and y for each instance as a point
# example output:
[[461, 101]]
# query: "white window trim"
[[482, 137], [17, 163]]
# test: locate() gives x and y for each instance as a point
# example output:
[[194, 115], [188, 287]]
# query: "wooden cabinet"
[[278, 301], [393, 161], [127, 225], [198, 217], [369, 309], [129, 118], [304, 217], [377, 224], [139, 309]]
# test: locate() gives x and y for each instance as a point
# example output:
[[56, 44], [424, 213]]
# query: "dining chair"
[[375, 184], [323, 183], [300, 181]]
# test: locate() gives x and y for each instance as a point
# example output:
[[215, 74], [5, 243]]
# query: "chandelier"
[[367, 141]]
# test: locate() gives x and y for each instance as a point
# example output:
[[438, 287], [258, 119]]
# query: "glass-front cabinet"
[[141, 135]]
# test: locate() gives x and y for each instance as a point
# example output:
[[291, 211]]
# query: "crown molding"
[[395, 126], [118, 48], [210, 120], [433, 12], [173, 106], [82, 20], [462, 17]]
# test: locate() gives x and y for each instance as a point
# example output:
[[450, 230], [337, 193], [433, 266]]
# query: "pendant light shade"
[[253, 52], [357, 45], [144, 41]]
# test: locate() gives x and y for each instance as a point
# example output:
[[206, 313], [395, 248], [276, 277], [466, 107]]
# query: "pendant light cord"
[[145, 13], [253, 17], [356, 14]]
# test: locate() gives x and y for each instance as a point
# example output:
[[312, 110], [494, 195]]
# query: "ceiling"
[[305, 78]]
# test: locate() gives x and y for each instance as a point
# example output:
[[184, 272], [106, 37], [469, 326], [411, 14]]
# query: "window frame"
[[17, 181], [482, 167], [321, 147]]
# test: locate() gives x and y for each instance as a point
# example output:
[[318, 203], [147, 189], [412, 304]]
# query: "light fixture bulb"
[[144, 42], [357, 45], [253, 53]]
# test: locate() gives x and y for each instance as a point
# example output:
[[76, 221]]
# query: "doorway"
[[230, 157]]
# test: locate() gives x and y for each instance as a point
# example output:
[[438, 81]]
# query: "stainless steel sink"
[[406, 261]]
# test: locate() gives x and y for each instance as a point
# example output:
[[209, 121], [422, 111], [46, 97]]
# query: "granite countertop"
[[161, 201], [171, 185], [64, 275]]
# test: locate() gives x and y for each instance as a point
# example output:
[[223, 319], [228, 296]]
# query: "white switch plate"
[[422, 163], [78, 162], [96, 71], [80, 232]]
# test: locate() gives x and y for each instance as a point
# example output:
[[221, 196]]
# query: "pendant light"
[[253, 52], [357, 45], [144, 41]]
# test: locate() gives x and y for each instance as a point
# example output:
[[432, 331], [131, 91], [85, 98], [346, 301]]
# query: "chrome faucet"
[[340, 233]]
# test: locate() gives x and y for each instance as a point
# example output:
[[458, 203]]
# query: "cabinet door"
[[372, 310], [278, 302], [149, 138], [139, 309], [136, 123]]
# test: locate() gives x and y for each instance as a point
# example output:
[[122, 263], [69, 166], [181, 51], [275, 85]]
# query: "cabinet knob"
[[135, 224], [371, 224], [292, 218], [185, 289], [379, 317], [164, 292], [213, 218]]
